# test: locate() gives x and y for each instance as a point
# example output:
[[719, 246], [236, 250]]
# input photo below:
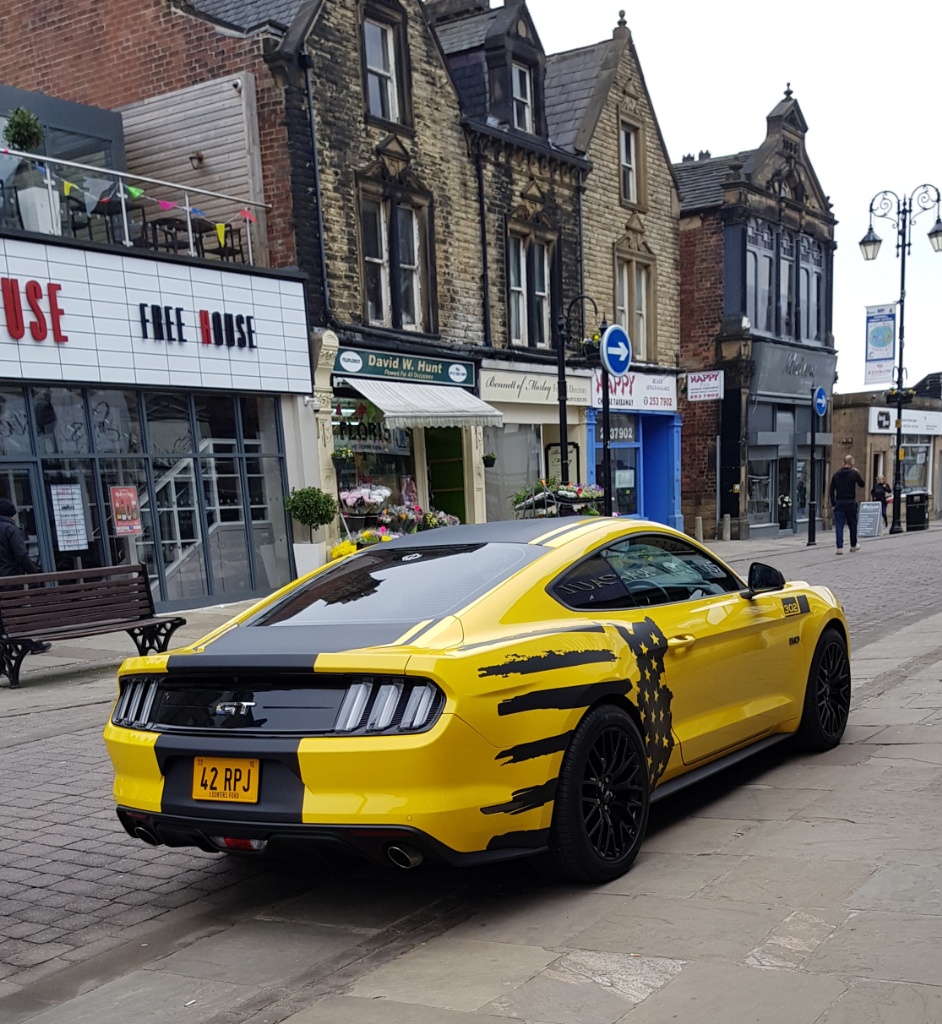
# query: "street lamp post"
[[902, 214], [563, 338]]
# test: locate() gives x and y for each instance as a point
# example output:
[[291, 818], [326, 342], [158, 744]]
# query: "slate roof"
[[249, 14], [571, 81], [466, 33], [701, 181]]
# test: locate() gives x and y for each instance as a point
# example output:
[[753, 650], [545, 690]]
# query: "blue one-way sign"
[[615, 350], [820, 401]]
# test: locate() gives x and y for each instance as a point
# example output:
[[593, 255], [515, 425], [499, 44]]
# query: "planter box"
[[36, 213], [308, 557]]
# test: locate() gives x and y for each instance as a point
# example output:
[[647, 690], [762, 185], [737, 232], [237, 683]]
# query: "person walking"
[[14, 558], [880, 491], [843, 495]]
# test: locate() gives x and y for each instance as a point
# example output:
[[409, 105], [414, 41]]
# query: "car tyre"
[[827, 694], [602, 799]]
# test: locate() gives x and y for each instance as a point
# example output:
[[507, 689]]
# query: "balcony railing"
[[45, 195]]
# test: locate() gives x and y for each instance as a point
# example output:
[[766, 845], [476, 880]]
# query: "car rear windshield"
[[389, 583]]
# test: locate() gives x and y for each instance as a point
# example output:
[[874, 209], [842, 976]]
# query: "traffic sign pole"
[[819, 406], [606, 449], [615, 354]]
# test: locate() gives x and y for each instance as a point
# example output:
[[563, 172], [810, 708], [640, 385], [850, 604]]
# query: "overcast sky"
[[714, 72]]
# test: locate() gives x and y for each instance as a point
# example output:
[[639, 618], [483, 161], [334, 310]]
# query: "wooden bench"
[[79, 602]]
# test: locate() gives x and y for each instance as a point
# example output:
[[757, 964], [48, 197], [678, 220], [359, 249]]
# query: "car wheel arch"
[[626, 705]]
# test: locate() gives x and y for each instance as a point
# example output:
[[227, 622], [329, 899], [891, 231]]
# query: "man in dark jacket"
[[14, 558], [843, 494]]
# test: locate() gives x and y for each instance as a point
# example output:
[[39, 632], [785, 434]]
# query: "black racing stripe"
[[548, 661], [525, 799], [589, 627], [531, 839], [537, 748], [562, 698], [280, 794]]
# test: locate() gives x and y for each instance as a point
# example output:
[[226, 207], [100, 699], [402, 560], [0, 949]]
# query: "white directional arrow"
[[620, 350]]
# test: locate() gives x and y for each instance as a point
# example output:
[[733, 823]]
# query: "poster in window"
[[69, 515], [126, 510]]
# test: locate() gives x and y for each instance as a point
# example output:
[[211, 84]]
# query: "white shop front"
[[527, 445], [141, 415]]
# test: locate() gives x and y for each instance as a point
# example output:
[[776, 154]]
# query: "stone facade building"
[[601, 109], [756, 250]]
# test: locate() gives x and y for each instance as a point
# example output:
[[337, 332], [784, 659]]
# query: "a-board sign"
[[869, 519]]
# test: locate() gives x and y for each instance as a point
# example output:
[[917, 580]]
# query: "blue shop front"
[[645, 445]]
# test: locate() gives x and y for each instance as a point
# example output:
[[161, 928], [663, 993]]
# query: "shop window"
[[635, 305], [385, 63], [916, 455], [523, 97], [259, 423], [130, 542], [168, 422], [267, 530], [517, 467], [811, 293], [74, 513], [624, 478], [116, 422], [395, 263], [759, 490], [59, 414], [14, 423], [382, 460], [787, 284], [215, 420], [530, 299]]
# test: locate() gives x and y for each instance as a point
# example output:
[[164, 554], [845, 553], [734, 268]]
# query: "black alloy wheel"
[[827, 695], [602, 799]]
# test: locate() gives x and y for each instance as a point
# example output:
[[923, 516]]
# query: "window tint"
[[393, 583], [642, 571]]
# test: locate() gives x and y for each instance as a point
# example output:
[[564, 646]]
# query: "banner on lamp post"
[[881, 344]]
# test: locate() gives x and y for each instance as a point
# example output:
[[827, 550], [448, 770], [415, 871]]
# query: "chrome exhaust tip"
[[405, 857], [146, 835]]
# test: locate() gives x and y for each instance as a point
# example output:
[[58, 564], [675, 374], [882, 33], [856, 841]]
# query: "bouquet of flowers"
[[367, 538], [784, 501], [433, 519], [404, 518], [341, 550], [364, 499]]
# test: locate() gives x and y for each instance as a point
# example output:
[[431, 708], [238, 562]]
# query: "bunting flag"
[[248, 215], [196, 211], [221, 234], [67, 187], [134, 192], [165, 204]]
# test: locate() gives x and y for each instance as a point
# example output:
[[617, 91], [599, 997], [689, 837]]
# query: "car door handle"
[[682, 642]]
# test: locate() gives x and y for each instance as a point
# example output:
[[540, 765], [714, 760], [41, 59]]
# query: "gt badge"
[[795, 605], [234, 707]]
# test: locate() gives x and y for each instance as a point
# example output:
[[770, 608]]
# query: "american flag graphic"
[[649, 645]]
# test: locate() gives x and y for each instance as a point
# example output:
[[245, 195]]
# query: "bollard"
[[698, 529], [727, 529]]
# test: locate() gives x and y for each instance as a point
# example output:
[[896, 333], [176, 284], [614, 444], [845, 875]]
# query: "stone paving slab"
[[879, 1002]]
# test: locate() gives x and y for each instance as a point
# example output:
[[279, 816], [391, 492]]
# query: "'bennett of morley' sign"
[[110, 318], [364, 362]]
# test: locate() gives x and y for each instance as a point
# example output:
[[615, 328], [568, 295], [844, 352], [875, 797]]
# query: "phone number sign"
[[638, 392]]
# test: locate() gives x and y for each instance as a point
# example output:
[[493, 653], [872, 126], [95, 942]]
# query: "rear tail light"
[[231, 843], [389, 706]]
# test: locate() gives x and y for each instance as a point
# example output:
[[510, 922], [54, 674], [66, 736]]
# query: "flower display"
[[364, 499], [550, 498], [341, 550], [404, 518], [342, 454], [433, 519], [784, 501]]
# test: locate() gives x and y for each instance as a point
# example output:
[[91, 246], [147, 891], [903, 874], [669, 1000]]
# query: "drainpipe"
[[580, 188], [306, 61], [486, 293]]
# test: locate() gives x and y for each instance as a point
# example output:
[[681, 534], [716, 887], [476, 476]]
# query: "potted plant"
[[24, 132], [489, 459], [313, 508], [342, 454], [784, 510]]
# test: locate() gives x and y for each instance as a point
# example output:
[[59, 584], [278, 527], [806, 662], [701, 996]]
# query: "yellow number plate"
[[232, 779]]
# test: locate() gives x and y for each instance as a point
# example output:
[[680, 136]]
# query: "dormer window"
[[523, 98], [379, 47]]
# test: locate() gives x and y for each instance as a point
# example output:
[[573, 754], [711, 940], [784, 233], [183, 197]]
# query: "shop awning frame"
[[405, 404]]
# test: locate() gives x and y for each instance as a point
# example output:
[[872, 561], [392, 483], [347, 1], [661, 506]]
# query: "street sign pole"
[[606, 450], [819, 406], [615, 354]]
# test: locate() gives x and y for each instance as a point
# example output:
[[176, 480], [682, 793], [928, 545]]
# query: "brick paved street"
[[82, 905]]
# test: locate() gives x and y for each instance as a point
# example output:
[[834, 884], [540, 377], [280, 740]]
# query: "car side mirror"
[[762, 578]]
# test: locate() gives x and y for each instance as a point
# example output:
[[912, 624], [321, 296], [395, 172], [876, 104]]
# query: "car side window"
[[590, 585], [661, 569]]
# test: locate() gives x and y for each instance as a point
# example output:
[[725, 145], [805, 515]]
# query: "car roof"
[[515, 531]]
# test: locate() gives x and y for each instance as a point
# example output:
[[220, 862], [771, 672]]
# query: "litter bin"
[[917, 508]]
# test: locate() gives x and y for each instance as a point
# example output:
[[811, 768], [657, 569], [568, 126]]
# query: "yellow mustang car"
[[476, 693]]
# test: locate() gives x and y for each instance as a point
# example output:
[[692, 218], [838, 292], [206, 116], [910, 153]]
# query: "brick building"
[[756, 255]]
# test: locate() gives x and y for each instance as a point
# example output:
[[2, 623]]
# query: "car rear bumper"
[[210, 834]]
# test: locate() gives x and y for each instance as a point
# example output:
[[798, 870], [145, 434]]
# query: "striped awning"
[[425, 405]]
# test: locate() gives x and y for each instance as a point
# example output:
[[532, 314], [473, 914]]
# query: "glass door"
[[18, 483]]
